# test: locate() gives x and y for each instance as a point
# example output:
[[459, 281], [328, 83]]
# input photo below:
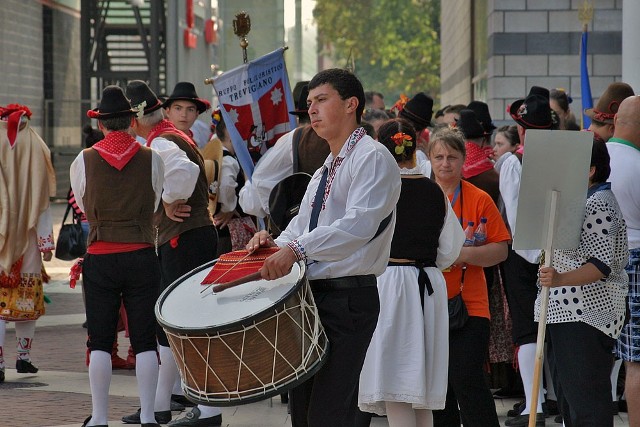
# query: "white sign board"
[[553, 160]]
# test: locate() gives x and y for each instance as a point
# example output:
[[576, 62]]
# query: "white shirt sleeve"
[[78, 179], [157, 177], [510, 173], [227, 189], [273, 167], [180, 173], [44, 230]]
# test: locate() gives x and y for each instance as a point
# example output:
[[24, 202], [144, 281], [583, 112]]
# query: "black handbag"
[[71, 243], [458, 313]]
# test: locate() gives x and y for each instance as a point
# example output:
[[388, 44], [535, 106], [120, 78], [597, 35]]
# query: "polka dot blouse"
[[603, 242]]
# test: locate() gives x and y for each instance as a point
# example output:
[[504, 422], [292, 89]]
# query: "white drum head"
[[187, 305]]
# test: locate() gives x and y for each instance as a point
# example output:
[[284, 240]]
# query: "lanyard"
[[457, 193]]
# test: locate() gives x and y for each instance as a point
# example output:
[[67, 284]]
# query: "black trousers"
[[108, 280], [521, 289], [330, 398], [580, 360], [195, 247], [468, 348]]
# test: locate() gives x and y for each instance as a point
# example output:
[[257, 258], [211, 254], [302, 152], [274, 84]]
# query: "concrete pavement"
[[58, 395]]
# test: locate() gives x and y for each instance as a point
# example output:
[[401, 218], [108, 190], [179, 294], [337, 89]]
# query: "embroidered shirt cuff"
[[604, 268], [297, 249]]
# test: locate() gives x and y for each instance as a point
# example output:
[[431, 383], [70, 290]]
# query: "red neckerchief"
[[476, 161], [165, 126], [117, 148]]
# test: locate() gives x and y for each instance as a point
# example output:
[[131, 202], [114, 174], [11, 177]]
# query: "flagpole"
[[241, 28], [585, 14]]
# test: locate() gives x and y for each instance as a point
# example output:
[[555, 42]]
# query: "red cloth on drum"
[[235, 265]]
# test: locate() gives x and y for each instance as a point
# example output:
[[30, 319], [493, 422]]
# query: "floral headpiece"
[[401, 140], [400, 103], [140, 109], [216, 116]]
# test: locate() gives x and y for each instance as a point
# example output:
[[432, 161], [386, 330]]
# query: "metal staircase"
[[122, 41]]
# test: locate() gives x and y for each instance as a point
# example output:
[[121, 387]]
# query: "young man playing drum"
[[343, 233]]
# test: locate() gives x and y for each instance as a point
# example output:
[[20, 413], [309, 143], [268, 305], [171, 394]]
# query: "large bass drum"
[[244, 344]]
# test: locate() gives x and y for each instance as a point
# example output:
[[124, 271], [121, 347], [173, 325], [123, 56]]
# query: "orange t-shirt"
[[475, 203]]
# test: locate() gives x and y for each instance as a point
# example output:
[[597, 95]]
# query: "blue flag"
[[255, 100], [585, 87]]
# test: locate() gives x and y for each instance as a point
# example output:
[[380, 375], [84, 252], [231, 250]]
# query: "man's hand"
[[177, 210], [221, 219], [47, 255], [261, 238], [278, 265]]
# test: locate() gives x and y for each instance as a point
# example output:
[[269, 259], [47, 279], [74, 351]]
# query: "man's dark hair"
[[344, 82], [117, 123]]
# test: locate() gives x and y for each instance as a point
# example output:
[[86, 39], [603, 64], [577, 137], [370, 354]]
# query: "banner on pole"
[[255, 100]]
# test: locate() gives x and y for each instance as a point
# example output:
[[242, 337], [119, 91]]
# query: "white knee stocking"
[[3, 331], [208, 411], [99, 381], [526, 362], [166, 379], [615, 370], [147, 377], [25, 331]]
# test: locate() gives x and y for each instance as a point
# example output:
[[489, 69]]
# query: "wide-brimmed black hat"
[[112, 104], [418, 110], [141, 95], [469, 124], [484, 117], [186, 91], [301, 102], [609, 102], [533, 112]]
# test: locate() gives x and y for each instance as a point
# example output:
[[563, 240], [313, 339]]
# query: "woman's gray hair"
[[449, 137]]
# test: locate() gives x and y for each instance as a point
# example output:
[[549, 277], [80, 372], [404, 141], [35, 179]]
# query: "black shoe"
[[176, 407], [508, 393], [523, 420], [1, 375], [192, 419], [84, 424], [284, 398], [179, 398], [614, 408], [550, 408], [162, 417], [517, 409], [25, 367], [558, 419], [84, 325], [150, 425]]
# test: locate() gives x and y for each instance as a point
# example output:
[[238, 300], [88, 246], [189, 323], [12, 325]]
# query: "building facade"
[[495, 50]]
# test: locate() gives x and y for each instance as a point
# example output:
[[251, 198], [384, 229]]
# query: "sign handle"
[[544, 304]]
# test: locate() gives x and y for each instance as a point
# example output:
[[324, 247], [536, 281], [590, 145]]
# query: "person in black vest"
[[120, 263], [407, 351], [186, 235]]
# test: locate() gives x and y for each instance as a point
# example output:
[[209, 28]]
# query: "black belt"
[[346, 282], [423, 277]]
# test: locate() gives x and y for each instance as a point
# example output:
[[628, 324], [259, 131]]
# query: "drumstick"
[[248, 278], [230, 268]]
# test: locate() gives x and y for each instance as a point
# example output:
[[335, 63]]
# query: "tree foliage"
[[393, 44]]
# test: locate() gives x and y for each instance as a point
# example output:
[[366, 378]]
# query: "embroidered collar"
[[413, 171]]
